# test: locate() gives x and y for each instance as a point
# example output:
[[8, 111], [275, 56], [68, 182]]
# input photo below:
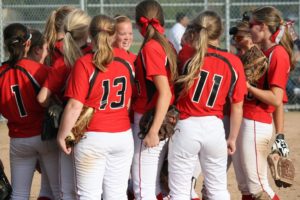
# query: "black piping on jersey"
[[233, 74], [150, 87], [35, 84], [96, 72]]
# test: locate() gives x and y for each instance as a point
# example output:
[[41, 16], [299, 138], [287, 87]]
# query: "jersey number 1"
[[213, 92], [16, 91]]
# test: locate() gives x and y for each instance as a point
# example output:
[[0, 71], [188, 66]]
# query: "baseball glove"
[[5, 187], [255, 64], [167, 128], [282, 169], [80, 126]]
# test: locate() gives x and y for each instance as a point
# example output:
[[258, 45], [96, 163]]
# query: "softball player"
[[155, 71], [212, 75], [38, 52], [74, 46], [267, 30], [54, 32], [20, 80], [103, 157]]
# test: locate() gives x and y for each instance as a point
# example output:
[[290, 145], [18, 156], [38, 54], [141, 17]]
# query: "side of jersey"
[[216, 81], [110, 95], [151, 61], [18, 99]]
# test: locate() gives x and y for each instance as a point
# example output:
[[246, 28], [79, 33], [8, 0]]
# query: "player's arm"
[[272, 97], [164, 97], [236, 116], [69, 118], [278, 118], [44, 96]]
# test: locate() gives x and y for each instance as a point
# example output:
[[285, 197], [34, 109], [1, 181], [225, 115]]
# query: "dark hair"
[[37, 40], [15, 35], [180, 16]]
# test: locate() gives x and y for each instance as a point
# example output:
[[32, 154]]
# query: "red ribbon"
[[154, 22], [276, 37]]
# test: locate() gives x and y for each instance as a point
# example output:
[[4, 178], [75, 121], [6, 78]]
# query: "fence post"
[[227, 23], [82, 4]]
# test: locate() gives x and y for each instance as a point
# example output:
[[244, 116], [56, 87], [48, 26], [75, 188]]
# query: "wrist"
[[280, 136]]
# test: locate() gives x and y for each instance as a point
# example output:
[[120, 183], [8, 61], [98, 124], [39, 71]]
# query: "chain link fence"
[[34, 13]]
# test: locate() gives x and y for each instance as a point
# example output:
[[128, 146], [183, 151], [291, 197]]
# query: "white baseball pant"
[[102, 165], [198, 138], [250, 163], [67, 176], [146, 166], [24, 153]]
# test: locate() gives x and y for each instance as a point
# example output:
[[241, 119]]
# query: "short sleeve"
[[279, 68], [78, 84], [154, 59]]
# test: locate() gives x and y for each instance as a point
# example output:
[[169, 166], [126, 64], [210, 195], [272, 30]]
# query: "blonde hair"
[[102, 28], [54, 24], [272, 18], [151, 9], [209, 28], [121, 19], [76, 29]]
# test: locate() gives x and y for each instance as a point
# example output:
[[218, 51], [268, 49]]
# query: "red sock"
[[275, 197], [247, 197]]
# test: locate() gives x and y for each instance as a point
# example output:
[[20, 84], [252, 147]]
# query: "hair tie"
[[277, 36], [154, 22]]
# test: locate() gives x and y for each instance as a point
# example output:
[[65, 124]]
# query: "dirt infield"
[[292, 126]]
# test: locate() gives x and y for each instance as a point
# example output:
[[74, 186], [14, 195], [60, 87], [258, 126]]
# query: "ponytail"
[[102, 29], [15, 37], [71, 50], [288, 44], [50, 31]]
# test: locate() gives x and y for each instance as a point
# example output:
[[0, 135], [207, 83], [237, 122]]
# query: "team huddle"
[[224, 115]]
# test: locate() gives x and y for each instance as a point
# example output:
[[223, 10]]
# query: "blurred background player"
[[176, 32]]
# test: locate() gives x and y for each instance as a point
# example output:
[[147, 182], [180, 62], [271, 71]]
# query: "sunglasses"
[[253, 23], [238, 38]]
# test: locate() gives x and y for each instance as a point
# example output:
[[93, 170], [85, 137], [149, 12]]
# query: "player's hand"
[[151, 139], [62, 144], [231, 147]]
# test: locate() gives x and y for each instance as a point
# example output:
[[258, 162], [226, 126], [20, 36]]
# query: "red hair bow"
[[154, 22]]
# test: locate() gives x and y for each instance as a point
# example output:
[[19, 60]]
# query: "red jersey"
[[151, 61], [18, 102], [221, 75], [110, 94], [184, 55], [277, 75], [126, 55], [58, 75]]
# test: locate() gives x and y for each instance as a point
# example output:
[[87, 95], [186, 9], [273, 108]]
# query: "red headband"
[[154, 22]]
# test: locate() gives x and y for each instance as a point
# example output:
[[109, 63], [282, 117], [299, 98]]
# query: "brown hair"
[[152, 9], [37, 40], [102, 28], [272, 18], [209, 28], [54, 24], [76, 27], [15, 35]]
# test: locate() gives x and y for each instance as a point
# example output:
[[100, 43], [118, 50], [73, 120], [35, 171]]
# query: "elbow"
[[277, 103], [42, 101]]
